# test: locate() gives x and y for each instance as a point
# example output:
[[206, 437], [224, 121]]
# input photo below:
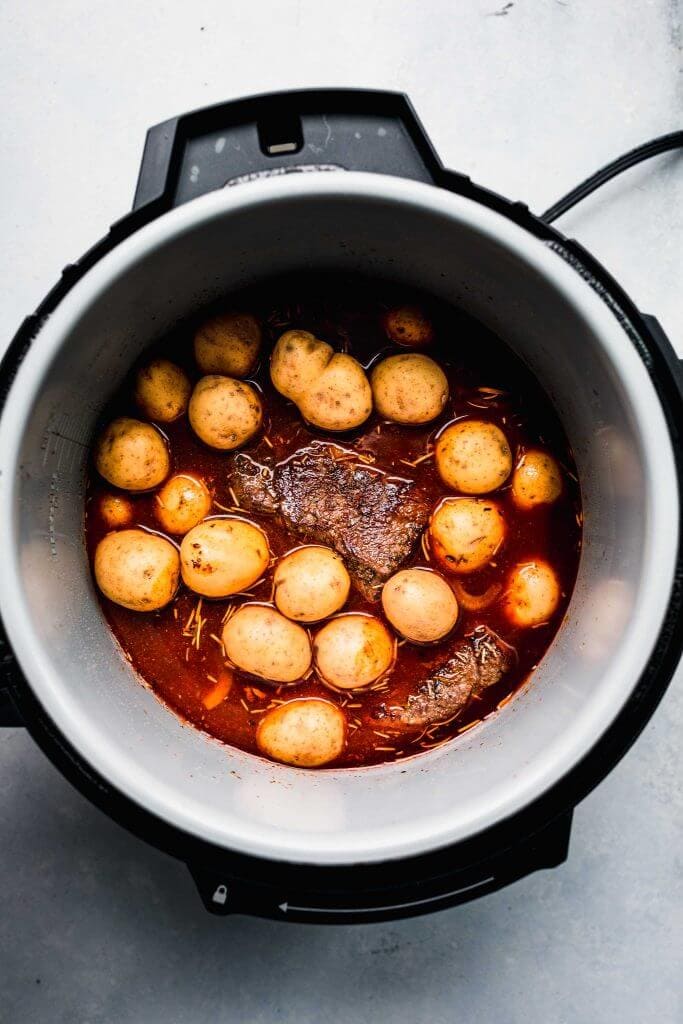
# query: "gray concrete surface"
[[527, 97]]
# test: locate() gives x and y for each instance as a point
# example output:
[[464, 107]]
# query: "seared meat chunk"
[[477, 662], [252, 484], [326, 496]]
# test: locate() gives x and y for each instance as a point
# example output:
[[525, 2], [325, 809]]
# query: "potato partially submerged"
[[225, 413], [536, 480], [223, 556], [465, 533], [228, 343], [116, 511], [311, 583], [162, 390], [259, 640], [353, 651], [409, 388], [408, 326], [420, 605], [182, 503], [341, 398], [473, 456], [330, 388], [132, 455], [137, 569], [306, 733], [297, 362], [532, 594]]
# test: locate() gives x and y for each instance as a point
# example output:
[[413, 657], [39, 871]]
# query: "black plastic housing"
[[371, 131]]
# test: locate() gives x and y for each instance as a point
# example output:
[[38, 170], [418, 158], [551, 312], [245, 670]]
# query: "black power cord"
[[662, 144]]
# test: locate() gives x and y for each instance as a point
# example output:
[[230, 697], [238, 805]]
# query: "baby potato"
[[297, 362], [409, 388], [132, 455], [465, 533], [223, 556], [224, 413], [162, 390], [307, 733], [260, 641], [473, 456], [420, 605], [136, 569], [408, 326], [340, 398], [353, 651], [311, 583], [532, 594], [181, 503], [228, 344], [536, 480], [116, 511]]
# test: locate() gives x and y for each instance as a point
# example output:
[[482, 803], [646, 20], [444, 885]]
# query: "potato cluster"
[[132, 455], [304, 628]]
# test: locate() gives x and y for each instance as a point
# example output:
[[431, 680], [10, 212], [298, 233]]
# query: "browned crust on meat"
[[324, 495], [480, 660]]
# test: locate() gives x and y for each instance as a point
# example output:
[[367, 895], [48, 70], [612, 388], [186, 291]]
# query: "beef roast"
[[326, 496], [477, 662]]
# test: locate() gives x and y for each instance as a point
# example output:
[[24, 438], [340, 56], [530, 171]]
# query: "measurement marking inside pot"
[[286, 907]]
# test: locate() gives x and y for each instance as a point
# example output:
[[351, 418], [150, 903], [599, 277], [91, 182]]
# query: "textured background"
[[527, 97]]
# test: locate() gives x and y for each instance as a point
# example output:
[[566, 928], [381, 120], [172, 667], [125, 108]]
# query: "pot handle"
[[280, 133], [10, 678]]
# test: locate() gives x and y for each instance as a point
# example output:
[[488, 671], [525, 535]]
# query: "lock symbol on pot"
[[220, 895]]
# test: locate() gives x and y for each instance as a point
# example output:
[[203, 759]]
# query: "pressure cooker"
[[340, 181]]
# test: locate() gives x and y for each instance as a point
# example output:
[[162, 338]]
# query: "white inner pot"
[[461, 252]]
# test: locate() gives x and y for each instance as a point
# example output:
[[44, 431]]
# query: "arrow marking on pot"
[[285, 907]]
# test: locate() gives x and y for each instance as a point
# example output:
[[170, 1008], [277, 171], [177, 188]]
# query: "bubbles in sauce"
[[178, 650]]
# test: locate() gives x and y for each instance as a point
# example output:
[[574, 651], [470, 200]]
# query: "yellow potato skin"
[[223, 556], [228, 343], [473, 456], [420, 605], [224, 412], [306, 733], [137, 569], [353, 650], [466, 533], [182, 503], [536, 480], [259, 640], [532, 594], [340, 399], [311, 583], [330, 389], [297, 362], [132, 455], [408, 326], [116, 511], [409, 388], [162, 391]]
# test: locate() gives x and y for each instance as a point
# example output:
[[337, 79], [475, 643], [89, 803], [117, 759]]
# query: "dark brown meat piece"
[[477, 662], [326, 496], [252, 484]]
